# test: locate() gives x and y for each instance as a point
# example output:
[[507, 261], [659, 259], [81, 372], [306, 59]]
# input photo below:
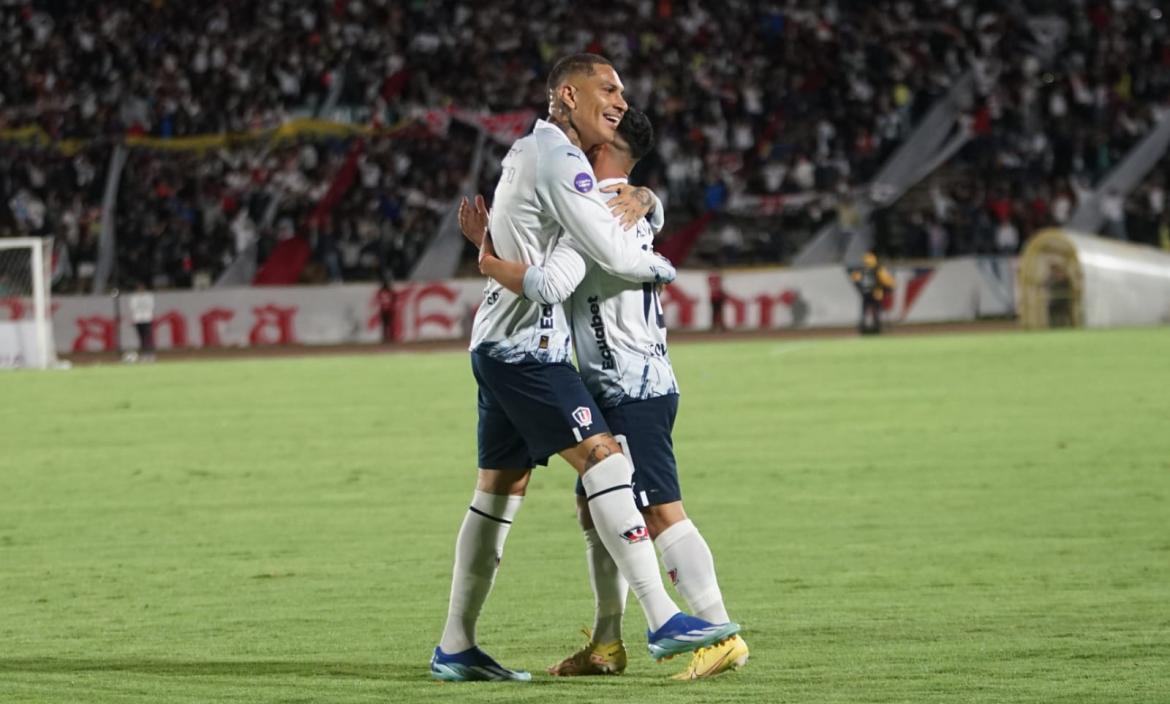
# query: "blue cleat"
[[472, 665], [683, 634]]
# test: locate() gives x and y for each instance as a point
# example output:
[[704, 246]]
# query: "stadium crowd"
[[787, 98], [1044, 132], [194, 212]]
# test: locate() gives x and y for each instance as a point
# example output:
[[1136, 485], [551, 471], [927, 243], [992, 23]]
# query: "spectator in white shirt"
[[1007, 237], [142, 314], [1113, 208]]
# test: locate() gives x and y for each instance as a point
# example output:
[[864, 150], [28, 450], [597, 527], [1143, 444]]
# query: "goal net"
[[26, 329]]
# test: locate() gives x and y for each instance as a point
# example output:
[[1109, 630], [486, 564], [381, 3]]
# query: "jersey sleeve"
[[657, 216], [553, 281], [567, 187]]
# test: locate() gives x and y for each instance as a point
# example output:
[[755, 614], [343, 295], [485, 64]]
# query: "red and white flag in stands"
[[770, 204], [437, 121], [504, 128]]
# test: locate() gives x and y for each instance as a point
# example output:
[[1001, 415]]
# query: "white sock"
[[478, 550], [691, 567], [609, 590], [623, 532]]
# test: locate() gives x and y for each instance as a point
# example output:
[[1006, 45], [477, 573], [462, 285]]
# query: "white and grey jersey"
[[618, 328], [546, 188]]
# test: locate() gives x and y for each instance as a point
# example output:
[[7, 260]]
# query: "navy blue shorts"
[[647, 427], [530, 411]]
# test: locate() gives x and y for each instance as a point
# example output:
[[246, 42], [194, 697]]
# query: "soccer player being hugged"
[[532, 403], [620, 339]]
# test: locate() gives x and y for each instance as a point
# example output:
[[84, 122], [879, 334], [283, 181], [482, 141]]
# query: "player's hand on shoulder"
[[631, 204]]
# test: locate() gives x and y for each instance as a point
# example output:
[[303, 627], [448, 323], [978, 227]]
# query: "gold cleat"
[[730, 654], [593, 659]]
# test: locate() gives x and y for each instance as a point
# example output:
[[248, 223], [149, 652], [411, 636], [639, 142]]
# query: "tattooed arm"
[[632, 203]]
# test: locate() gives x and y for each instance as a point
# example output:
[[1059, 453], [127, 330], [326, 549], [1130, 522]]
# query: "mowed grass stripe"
[[964, 518]]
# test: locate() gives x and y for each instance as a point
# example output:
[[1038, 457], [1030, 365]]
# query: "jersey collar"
[[546, 125]]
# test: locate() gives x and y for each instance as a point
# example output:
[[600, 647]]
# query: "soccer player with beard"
[[532, 402], [620, 339]]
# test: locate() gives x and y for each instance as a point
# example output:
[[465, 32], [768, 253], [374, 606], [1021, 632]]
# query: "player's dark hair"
[[637, 132], [574, 63]]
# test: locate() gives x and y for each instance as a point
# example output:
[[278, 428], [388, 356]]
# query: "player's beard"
[[599, 132]]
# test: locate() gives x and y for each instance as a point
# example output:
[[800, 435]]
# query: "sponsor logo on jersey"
[[583, 416], [583, 182], [636, 534], [599, 336]]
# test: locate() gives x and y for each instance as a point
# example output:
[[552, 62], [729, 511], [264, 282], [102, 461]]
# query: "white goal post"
[[26, 326]]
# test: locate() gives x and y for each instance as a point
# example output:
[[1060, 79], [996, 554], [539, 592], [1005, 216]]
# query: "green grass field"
[[981, 518]]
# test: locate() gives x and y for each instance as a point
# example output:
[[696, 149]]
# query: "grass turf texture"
[[944, 519]]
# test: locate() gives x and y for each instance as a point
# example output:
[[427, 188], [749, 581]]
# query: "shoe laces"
[[583, 655]]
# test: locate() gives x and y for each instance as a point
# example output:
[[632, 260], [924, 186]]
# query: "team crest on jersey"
[[673, 577], [583, 416], [636, 534], [583, 182]]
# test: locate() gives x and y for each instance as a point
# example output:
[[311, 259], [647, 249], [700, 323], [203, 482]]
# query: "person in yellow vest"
[[873, 282]]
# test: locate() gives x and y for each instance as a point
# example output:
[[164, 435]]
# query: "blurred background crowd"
[[798, 99]]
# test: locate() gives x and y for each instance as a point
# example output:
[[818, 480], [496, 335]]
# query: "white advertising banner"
[[256, 316], [18, 344], [686, 303], [954, 290], [950, 290], [789, 298]]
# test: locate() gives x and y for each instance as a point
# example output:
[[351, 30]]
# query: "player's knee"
[[662, 516], [513, 482], [606, 445], [591, 451]]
